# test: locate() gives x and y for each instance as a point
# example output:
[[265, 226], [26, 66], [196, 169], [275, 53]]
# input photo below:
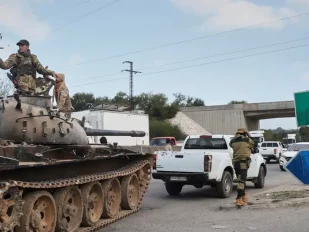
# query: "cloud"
[[231, 14], [17, 17]]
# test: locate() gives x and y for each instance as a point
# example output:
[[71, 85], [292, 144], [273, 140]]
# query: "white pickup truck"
[[205, 160]]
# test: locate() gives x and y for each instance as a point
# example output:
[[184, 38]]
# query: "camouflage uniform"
[[24, 66], [61, 93], [242, 146]]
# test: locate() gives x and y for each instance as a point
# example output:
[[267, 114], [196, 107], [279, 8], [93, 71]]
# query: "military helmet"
[[23, 42], [241, 131]]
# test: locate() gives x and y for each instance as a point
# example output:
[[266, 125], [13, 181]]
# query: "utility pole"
[[131, 71]]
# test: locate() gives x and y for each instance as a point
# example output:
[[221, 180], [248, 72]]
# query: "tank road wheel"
[[69, 208], [130, 188], [39, 212], [93, 198], [112, 198], [11, 205], [144, 173]]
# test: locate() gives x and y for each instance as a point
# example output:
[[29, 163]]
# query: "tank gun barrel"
[[99, 132]]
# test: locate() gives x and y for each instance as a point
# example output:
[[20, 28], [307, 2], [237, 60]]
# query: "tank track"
[[141, 168]]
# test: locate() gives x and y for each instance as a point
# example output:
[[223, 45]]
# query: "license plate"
[[178, 178]]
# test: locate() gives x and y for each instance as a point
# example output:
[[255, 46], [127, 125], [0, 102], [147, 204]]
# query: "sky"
[[223, 49]]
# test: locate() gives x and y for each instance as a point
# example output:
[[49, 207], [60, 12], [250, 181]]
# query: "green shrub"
[[163, 128]]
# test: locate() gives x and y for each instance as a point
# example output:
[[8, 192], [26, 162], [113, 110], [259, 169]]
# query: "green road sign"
[[301, 101]]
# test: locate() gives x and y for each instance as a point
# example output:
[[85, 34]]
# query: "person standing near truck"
[[242, 146], [168, 146]]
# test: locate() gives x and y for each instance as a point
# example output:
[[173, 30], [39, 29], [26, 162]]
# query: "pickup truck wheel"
[[173, 189], [225, 186], [260, 179], [277, 160]]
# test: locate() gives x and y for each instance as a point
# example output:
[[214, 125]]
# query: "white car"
[[205, 160], [291, 152], [271, 150]]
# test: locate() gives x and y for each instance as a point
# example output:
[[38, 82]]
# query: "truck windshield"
[[206, 143], [299, 147], [158, 142]]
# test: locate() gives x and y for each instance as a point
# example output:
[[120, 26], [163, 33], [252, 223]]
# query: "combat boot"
[[245, 198], [239, 202]]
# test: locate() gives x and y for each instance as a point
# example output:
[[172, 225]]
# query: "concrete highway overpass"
[[225, 119]]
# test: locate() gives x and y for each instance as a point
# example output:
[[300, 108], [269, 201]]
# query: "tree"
[[304, 134], [156, 106], [121, 98], [187, 101], [163, 128], [237, 102], [198, 102], [102, 100], [6, 86], [83, 101]]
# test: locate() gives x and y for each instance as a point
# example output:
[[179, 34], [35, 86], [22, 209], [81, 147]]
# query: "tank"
[[53, 179]]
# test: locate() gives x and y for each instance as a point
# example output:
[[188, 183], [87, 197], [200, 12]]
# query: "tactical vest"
[[24, 66]]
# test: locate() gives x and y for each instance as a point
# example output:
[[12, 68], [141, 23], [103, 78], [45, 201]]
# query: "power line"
[[88, 13], [106, 75], [192, 66], [205, 57], [226, 53], [189, 40], [65, 9]]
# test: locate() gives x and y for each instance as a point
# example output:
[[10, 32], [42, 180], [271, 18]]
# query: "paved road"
[[197, 210]]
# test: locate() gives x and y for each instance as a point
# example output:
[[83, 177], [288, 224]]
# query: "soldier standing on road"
[[242, 146], [24, 66], [61, 93], [168, 146]]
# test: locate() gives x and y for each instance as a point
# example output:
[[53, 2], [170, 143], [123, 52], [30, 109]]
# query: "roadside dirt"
[[283, 196]]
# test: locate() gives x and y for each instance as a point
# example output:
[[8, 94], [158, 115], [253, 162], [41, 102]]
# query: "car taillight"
[[154, 161], [207, 163], [275, 151]]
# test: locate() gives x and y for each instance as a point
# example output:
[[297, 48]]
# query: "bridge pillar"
[[252, 124]]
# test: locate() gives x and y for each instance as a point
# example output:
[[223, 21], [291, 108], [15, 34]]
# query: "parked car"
[[271, 150], [291, 152]]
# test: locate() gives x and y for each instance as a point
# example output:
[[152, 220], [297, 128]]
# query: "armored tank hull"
[[51, 179]]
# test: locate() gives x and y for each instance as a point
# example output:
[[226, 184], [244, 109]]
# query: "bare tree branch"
[[6, 86]]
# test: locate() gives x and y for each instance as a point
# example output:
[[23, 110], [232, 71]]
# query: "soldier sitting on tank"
[[24, 66], [61, 93]]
